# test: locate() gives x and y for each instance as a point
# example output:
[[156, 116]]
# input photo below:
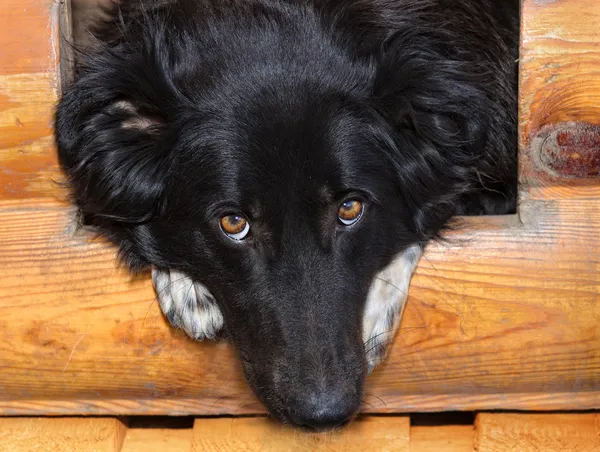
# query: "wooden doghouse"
[[509, 320]]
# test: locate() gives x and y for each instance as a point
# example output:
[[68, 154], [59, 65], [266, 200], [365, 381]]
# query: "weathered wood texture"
[[491, 433], [508, 319], [537, 432], [61, 435], [28, 88], [157, 440], [369, 434], [560, 92], [443, 438]]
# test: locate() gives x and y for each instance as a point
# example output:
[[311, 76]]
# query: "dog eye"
[[235, 227], [350, 212]]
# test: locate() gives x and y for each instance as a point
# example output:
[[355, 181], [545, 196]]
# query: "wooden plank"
[[510, 321], [27, 36], [28, 165], [560, 92], [157, 440], [442, 438], [61, 434], [94, 332], [28, 91], [492, 312], [262, 434], [537, 432]]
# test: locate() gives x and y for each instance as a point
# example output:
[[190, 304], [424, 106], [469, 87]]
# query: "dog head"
[[275, 167]]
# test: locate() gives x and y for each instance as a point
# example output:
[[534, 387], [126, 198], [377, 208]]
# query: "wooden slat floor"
[[504, 316], [491, 432]]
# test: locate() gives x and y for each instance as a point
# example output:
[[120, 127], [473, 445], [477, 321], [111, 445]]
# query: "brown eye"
[[235, 227], [350, 212]]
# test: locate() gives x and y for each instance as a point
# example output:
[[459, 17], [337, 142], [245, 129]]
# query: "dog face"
[[287, 230], [280, 166], [285, 220]]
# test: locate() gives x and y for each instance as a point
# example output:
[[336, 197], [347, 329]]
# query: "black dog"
[[280, 164]]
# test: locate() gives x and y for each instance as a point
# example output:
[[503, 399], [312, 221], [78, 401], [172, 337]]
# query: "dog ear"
[[113, 140], [432, 102], [114, 155]]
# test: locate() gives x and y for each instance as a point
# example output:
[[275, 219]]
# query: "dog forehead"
[[322, 145], [310, 170], [272, 155]]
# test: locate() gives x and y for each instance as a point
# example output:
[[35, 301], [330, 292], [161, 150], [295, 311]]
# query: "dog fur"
[[186, 111]]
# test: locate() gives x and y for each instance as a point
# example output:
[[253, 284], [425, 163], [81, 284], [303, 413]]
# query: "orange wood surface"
[[560, 92], [537, 432], [501, 432], [442, 438], [505, 316], [61, 435], [157, 440], [29, 55], [370, 434]]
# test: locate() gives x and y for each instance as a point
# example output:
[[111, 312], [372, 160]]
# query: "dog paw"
[[188, 305], [385, 304]]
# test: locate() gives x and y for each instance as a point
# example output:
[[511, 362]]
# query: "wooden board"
[[483, 328], [29, 81], [556, 432], [261, 434], [560, 93], [60, 435], [443, 438], [537, 432], [506, 316], [157, 440]]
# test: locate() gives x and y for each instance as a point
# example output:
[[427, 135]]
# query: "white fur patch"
[[190, 306], [187, 304], [136, 120], [385, 304]]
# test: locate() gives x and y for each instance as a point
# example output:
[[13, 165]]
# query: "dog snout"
[[324, 409]]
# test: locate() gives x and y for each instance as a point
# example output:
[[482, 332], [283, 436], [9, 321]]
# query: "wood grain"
[[27, 37], [28, 91], [262, 434], [537, 432], [442, 438], [157, 440], [60, 435], [511, 321], [559, 85], [523, 432]]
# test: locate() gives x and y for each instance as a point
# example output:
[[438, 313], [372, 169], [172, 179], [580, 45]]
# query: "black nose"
[[324, 410]]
